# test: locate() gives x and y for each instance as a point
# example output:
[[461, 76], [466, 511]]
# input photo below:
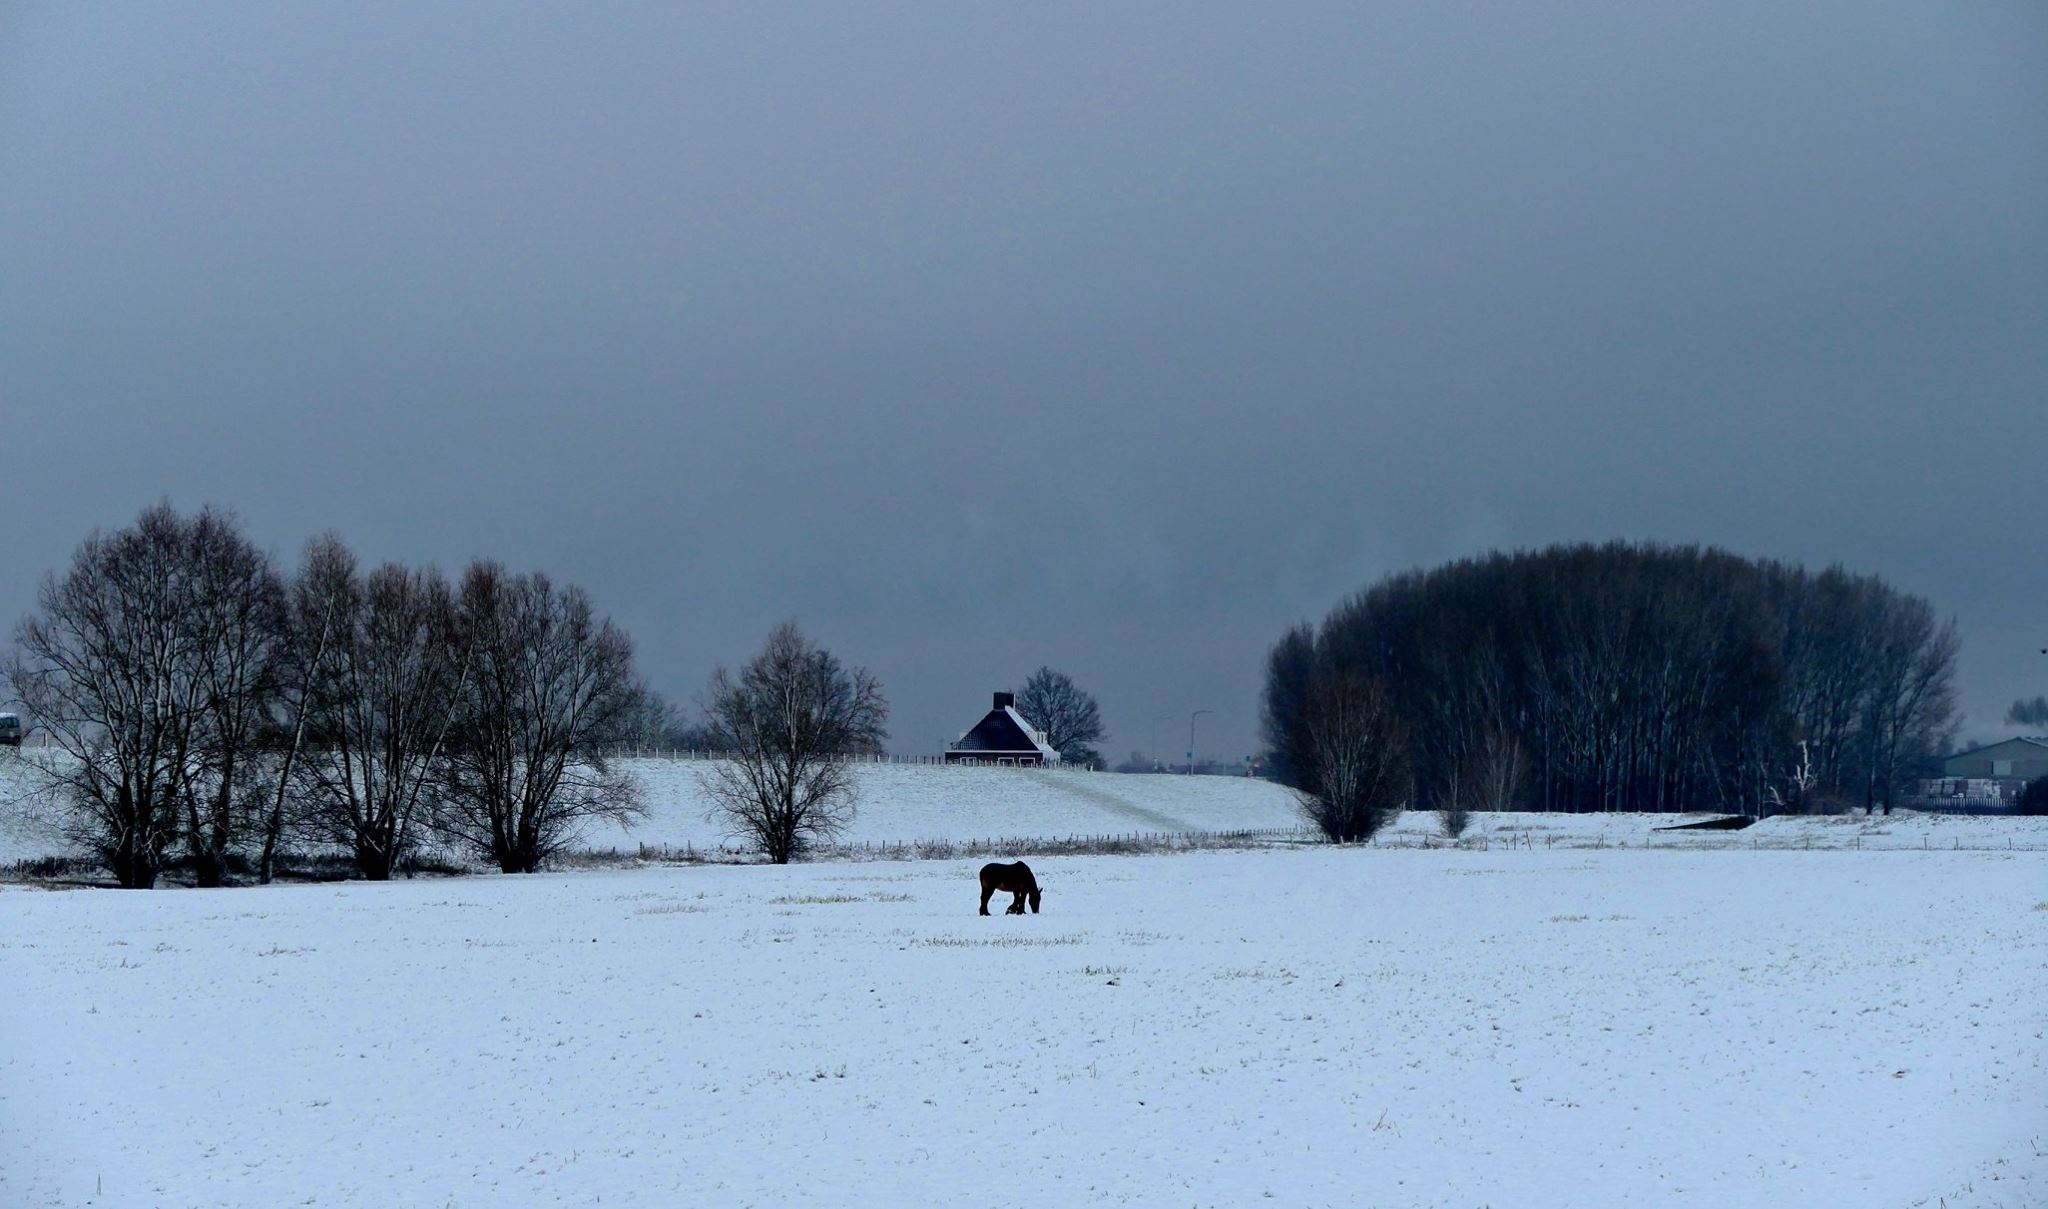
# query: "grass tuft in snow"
[[1257, 974], [999, 942]]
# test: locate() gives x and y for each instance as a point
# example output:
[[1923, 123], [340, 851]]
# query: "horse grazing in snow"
[[1011, 879]]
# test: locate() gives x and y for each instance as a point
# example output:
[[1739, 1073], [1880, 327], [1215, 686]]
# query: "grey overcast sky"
[[1115, 337]]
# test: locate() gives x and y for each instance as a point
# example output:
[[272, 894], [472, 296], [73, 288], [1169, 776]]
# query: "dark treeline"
[[214, 707], [1625, 677]]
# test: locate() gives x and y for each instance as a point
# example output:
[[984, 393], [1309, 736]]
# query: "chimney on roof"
[[1005, 700]]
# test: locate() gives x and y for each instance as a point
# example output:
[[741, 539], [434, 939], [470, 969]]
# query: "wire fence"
[[1108, 843], [690, 753], [1141, 842], [684, 753], [1202, 768], [1718, 841], [1972, 806], [937, 849]]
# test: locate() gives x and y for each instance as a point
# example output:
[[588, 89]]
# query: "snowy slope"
[[898, 802], [1302, 1027], [26, 830]]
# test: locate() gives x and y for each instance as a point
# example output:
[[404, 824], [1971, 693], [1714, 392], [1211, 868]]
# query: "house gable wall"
[[997, 732]]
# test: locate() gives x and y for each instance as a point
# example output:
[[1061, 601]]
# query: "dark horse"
[[1015, 879]]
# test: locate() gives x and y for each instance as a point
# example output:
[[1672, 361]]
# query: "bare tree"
[[791, 717], [319, 597], [1502, 767], [1283, 704], [380, 705], [551, 691], [1053, 703], [1830, 624], [661, 723], [1912, 705], [147, 663], [1792, 792], [234, 618], [1356, 776], [1487, 776]]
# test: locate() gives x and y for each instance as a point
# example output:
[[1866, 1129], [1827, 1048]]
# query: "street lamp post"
[[1191, 737]]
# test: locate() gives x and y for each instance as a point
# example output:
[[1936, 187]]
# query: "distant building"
[[1991, 776], [2020, 759], [1002, 737]]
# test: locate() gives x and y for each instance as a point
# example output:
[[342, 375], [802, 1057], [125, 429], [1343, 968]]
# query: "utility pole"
[[1191, 737]]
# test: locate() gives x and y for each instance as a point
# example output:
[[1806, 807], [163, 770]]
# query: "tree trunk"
[[266, 862], [133, 870], [373, 863], [209, 870]]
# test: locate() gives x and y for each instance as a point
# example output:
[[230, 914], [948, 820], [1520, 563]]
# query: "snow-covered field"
[[907, 803], [899, 803], [1308, 1026], [1900, 830], [902, 803]]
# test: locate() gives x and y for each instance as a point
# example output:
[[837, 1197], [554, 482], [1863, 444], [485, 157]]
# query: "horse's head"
[[1035, 893]]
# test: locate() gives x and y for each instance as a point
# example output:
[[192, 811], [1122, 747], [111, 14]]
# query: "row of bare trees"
[[1620, 677], [210, 709]]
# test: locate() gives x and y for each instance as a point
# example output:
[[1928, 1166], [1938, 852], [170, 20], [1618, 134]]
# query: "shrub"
[[1352, 773]]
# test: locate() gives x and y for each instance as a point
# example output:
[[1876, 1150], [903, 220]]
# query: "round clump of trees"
[[1614, 677]]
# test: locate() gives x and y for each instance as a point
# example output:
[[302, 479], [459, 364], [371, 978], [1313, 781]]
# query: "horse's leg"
[[1016, 905], [986, 890]]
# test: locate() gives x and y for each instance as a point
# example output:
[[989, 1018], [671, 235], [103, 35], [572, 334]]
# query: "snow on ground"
[[26, 831], [898, 803], [1317, 1026], [905, 802], [1901, 829]]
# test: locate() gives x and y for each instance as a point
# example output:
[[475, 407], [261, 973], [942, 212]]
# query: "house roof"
[[1005, 731], [2041, 743]]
